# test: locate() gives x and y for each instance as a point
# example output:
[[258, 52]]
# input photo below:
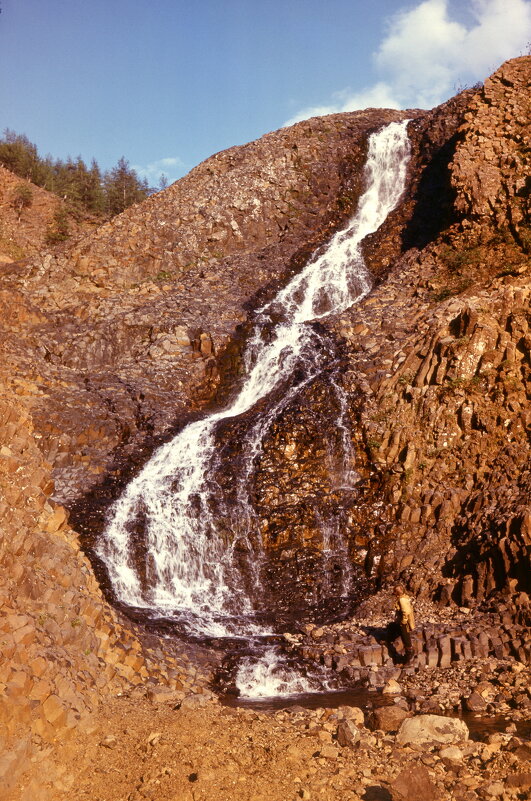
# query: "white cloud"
[[420, 53], [171, 166], [425, 54], [504, 31]]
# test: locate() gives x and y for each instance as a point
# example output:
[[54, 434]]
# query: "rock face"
[[110, 345], [282, 187], [63, 647], [140, 314], [437, 369], [490, 171]]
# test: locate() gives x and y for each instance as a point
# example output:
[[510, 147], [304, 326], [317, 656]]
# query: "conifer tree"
[[22, 198], [84, 189], [123, 187], [94, 196]]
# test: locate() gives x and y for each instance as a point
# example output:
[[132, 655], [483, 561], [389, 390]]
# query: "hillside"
[[24, 229], [112, 342]]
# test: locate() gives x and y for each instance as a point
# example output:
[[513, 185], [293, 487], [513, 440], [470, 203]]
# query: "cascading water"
[[272, 676], [190, 571]]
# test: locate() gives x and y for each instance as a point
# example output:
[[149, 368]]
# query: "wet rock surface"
[[119, 339]]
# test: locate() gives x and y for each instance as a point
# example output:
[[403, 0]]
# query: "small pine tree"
[[59, 228], [93, 193], [22, 198]]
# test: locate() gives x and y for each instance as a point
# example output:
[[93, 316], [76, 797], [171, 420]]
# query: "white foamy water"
[[189, 565], [270, 676]]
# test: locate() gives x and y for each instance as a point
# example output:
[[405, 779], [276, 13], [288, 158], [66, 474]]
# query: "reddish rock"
[[475, 703], [131, 328], [413, 784], [388, 718], [348, 734]]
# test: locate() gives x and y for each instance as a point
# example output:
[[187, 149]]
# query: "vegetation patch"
[[86, 189], [470, 261], [11, 249]]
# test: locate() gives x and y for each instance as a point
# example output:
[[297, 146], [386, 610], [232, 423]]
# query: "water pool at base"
[[480, 727]]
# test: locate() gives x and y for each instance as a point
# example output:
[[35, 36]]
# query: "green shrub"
[[59, 228], [22, 198]]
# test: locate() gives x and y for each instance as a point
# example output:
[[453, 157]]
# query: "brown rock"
[[164, 695], [387, 718], [348, 734], [414, 784], [54, 711], [522, 781], [56, 520], [475, 703]]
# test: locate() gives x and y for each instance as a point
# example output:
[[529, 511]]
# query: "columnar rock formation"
[[63, 648], [437, 365]]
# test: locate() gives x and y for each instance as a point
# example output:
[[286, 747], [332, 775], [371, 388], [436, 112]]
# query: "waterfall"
[[190, 569], [272, 676]]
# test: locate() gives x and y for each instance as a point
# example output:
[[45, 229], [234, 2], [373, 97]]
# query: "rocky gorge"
[[111, 343]]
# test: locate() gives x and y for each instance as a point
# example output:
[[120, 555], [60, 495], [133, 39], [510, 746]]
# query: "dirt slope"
[[24, 229]]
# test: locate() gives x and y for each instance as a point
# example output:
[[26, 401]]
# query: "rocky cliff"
[[437, 364], [110, 345], [103, 348], [135, 335]]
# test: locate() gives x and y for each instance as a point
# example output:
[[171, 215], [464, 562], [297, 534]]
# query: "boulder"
[[521, 781], [413, 784], [424, 730], [329, 751], [392, 688], [160, 694], [348, 734], [388, 718], [475, 703], [486, 690], [195, 701], [451, 752], [493, 790], [353, 713]]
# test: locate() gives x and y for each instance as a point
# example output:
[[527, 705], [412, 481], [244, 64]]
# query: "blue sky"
[[166, 83]]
